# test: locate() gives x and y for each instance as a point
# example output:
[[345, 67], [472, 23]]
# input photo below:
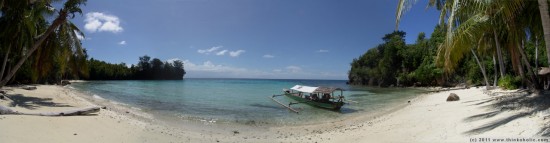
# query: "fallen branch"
[[84, 111]]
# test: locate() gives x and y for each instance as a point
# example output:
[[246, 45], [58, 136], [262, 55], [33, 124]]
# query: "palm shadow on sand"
[[32, 102], [532, 103]]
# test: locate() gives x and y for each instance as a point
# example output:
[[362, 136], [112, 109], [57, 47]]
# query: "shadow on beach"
[[32, 102], [533, 104]]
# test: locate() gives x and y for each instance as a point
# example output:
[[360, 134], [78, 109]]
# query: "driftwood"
[[29, 87], [83, 111]]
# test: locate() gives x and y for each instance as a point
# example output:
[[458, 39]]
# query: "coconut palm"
[[469, 21], [25, 18]]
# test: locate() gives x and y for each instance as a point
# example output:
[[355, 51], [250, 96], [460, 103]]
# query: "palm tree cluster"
[[45, 50], [496, 30]]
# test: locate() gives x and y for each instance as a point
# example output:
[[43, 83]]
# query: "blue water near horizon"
[[241, 100]]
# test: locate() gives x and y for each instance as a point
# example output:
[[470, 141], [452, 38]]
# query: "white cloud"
[[173, 59], [221, 53], [236, 53], [209, 69], [322, 51], [79, 36], [294, 69], [208, 51], [269, 56], [99, 22], [122, 43], [208, 66]]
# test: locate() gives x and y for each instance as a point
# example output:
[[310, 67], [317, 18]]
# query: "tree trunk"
[[482, 70], [496, 72], [533, 78], [537, 52], [545, 18], [4, 63], [499, 55], [55, 24], [83, 111]]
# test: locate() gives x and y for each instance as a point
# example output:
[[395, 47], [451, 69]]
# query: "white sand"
[[429, 118]]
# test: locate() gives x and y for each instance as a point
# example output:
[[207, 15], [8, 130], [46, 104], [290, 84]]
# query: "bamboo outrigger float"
[[322, 97]]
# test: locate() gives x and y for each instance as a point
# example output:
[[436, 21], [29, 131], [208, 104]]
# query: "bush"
[[509, 82]]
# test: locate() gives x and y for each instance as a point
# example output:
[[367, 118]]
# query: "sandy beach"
[[427, 118]]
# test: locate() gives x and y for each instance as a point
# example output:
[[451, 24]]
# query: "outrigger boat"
[[322, 97]]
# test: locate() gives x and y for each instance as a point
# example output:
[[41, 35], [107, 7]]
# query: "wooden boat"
[[322, 97]]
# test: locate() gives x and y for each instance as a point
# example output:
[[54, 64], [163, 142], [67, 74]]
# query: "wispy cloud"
[[99, 22], [294, 69], [210, 50], [79, 36], [210, 69], [322, 51], [122, 43], [236, 53], [269, 56], [221, 53]]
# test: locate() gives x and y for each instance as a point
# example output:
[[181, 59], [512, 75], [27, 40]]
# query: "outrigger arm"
[[288, 107]]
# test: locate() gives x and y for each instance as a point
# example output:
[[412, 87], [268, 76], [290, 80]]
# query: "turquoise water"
[[241, 100]]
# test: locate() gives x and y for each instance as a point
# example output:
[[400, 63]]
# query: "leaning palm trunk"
[[533, 78], [55, 24], [83, 111], [4, 63], [499, 55], [545, 18], [496, 72], [482, 69]]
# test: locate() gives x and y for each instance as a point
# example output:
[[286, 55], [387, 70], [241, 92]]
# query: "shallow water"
[[241, 100]]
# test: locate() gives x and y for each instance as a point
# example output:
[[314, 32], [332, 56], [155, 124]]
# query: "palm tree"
[[25, 28], [545, 18], [469, 21]]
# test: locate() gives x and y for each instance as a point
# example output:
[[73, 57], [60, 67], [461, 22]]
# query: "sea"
[[242, 101]]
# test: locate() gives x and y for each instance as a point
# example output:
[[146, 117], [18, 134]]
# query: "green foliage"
[[395, 63], [146, 69], [509, 82]]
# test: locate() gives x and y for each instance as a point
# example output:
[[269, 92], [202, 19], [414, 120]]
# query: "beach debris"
[[84, 111], [29, 87], [65, 82], [75, 134], [235, 132], [2, 97], [409, 101], [2, 92], [453, 97], [104, 107]]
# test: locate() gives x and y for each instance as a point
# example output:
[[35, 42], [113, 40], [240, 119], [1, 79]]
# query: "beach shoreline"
[[414, 121]]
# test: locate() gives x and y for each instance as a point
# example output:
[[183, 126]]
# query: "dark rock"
[[2, 92], [127, 112], [104, 107], [2, 97], [409, 101], [74, 134], [453, 97], [65, 82]]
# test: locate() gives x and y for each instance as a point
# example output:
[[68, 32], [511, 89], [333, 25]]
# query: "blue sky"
[[288, 39]]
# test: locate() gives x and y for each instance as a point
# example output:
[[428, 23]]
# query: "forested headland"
[[395, 63], [93, 69]]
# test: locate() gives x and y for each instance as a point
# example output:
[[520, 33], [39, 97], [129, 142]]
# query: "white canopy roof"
[[301, 88]]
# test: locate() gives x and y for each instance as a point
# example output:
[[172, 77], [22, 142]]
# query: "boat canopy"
[[311, 89]]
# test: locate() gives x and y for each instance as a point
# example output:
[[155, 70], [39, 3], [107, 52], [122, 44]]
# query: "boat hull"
[[330, 106]]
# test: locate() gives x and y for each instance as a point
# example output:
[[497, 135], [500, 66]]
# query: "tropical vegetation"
[[506, 32], [39, 44]]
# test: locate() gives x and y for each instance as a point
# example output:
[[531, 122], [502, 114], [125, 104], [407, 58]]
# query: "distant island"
[[93, 69], [146, 69]]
